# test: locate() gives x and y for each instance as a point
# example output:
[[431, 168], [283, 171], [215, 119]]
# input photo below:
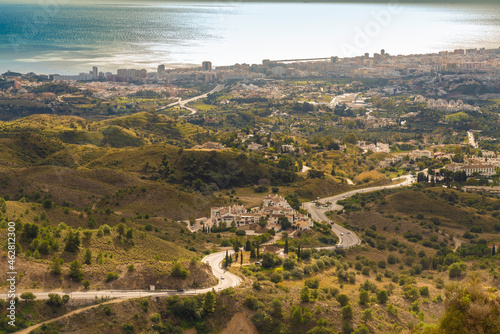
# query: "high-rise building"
[[95, 73], [382, 52], [206, 66], [161, 71]]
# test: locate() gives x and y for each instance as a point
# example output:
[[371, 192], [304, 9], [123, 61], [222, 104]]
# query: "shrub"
[[343, 299], [276, 278], [111, 276], [312, 283]]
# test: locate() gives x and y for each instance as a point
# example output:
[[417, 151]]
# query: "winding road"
[[182, 103], [225, 279], [214, 260], [347, 238]]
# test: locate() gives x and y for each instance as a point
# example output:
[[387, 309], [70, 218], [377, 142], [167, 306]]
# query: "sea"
[[69, 37]]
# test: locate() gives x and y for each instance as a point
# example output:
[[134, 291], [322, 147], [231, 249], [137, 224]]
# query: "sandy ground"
[[240, 324]]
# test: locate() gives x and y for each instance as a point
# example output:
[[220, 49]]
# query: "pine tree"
[[286, 246], [56, 266], [88, 256], [252, 253]]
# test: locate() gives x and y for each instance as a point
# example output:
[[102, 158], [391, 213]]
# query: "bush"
[[156, 318], [343, 299], [54, 300], [312, 283], [75, 270], [364, 297], [382, 297], [111, 276], [455, 270], [347, 312], [276, 278], [178, 271]]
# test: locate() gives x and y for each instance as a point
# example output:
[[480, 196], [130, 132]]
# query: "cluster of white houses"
[[273, 207]]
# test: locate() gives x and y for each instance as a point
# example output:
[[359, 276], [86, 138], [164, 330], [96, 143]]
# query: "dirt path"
[[457, 242], [31, 328]]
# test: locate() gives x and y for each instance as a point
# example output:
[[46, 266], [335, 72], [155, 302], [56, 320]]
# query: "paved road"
[[214, 260], [347, 238], [182, 103]]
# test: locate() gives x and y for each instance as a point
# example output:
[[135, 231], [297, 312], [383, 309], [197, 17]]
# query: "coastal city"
[[358, 185]]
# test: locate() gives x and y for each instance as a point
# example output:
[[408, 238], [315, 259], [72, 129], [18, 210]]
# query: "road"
[[347, 238], [182, 103], [214, 260]]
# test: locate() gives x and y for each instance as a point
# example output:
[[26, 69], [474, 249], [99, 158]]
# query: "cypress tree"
[[298, 252], [241, 258], [226, 262], [252, 253], [286, 246], [258, 251], [493, 250], [248, 246]]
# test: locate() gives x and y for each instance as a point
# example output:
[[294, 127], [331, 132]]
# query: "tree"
[[297, 318], [315, 174], [367, 315], [129, 234], [270, 260], [120, 228], [178, 271], [226, 261], [209, 302], [56, 265], [351, 138], [288, 264], [248, 246], [284, 222], [72, 241], [88, 256], [364, 297], [86, 284], [456, 269], [54, 300], [493, 250], [75, 270], [47, 204], [304, 294], [241, 258], [343, 299], [347, 312], [298, 251], [382, 297], [286, 246], [27, 296], [164, 169]]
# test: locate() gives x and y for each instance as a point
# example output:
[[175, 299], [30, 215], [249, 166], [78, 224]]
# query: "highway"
[[182, 103], [347, 238], [214, 260]]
